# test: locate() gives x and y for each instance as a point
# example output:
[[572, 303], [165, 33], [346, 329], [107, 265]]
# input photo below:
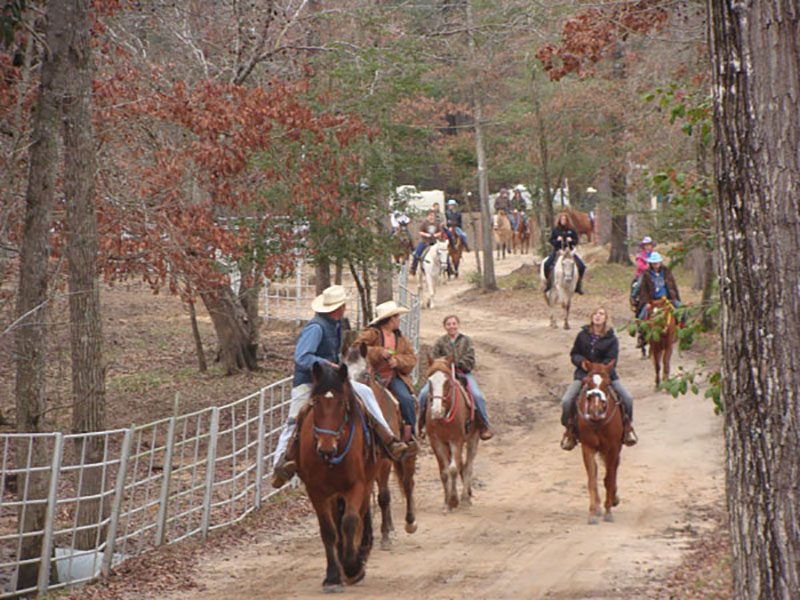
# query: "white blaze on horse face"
[[597, 379], [436, 394]]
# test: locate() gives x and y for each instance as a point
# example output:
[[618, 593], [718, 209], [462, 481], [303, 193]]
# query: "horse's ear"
[[430, 360], [451, 359], [611, 364], [316, 371], [586, 365], [362, 349], [342, 372]]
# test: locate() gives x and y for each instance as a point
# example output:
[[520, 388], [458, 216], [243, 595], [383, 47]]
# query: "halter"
[[448, 418], [338, 433], [605, 417]]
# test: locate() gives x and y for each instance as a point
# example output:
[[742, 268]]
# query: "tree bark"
[[198, 342], [322, 273], [33, 299], [619, 220], [230, 324], [756, 61], [88, 371], [546, 218]]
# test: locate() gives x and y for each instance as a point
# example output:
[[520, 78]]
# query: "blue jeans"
[[477, 395], [548, 263], [407, 406], [643, 310]]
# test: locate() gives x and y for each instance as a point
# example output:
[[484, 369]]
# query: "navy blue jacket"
[[601, 350], [319, 341]]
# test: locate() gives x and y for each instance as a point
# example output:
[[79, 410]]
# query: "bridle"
[[451, 414], [337, 433], [609, 404]]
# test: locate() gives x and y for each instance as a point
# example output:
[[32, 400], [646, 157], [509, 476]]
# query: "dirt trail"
[[526, 534]]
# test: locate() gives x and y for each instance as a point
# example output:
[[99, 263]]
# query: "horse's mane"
[[327, 379]]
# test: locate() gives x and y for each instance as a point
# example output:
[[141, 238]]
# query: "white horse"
[[565, 280], [433, 267]]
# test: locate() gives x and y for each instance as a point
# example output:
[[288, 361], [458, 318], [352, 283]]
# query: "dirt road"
[[526, 534]]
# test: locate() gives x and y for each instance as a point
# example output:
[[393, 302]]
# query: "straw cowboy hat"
[[330, 299], [386, 310]]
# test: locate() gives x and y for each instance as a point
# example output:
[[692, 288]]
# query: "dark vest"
[[328, 347]]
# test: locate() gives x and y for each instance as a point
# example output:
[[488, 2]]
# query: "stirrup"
[[397, 449], [486, 434], [630, 437], [569, 441], [283, 472]]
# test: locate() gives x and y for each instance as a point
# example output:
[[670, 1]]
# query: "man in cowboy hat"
[[454, 219], [392, 358], [319, 342]]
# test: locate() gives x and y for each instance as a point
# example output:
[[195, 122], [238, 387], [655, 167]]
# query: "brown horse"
[[402, 244], [522, 237], [338, 464], [503, 234], [450, 423], [455, 250], [359, 370], [662, 334], [583, 223], [600, 430]]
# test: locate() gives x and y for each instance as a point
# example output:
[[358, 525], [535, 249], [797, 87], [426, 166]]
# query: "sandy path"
[[525, 536]]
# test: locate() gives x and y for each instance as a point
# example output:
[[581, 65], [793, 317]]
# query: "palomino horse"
[[456, 249], [338, 464], [565, 280], [522, 237], [402, 244], [662, 334], [600, 432], [584, 225], [359, 370], [503, 233], [450, 423], [432, 268]]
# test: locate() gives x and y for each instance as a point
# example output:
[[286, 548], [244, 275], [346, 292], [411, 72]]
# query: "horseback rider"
[[319, 342], [399, 220], [459, 346], [502, 202], [597, 343], [392, 358], [429, 234], [453, 219], [645, 250], [657, 282], [518, 202], [563, 235]]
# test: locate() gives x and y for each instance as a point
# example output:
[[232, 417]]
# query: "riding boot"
[[629, 437], [485, 433], [548, 284], [579, 287], [409, 440], [414, 264], [466, 247], [421, 425], [395, 449], [286, 467], [570, 439]]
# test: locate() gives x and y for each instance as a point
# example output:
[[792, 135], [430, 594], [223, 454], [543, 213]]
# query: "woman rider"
[[392, 358], [459, 346], [597, 343], [563, 235]]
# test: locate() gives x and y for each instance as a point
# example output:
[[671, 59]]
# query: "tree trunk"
[[32, 305], [198, 342], [546, 218], [619, 220], [322, 273], [756, 103], [230, 324], [88, 371], [489, 280], [707, 319]]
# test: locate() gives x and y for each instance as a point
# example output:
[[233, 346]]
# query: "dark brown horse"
[[338, 464], [455, 250], [358, 369], [662, 334], [522, 237], [402, 244], [600, 432], [451, 426], [583, 223]]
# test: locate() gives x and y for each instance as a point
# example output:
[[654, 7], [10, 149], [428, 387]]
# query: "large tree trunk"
[[88, 371], [545, 217], [619, 189], [756, 62], [32, 303], [230, 324]]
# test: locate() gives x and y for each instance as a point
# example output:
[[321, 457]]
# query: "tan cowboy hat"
[[329, 300], [386, 310]]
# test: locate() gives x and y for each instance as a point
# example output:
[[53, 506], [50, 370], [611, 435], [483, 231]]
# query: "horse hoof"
[[333, 588], [411, 527], [593, 520], [608, 518], [466, 500], [386, 544], [616, 501]]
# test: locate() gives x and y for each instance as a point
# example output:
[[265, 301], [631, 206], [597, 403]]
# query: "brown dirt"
[[526, 535]]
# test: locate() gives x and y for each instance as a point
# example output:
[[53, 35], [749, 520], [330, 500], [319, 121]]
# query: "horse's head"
[[441, 385], [442, 250], [331, 399], [566, 264], [596, 397], [355, 358]]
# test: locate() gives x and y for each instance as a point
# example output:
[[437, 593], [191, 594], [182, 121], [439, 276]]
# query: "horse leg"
[[352, 532], [566, 314], [466, 474], [327, 531], [655, 353], [667, 356], [385, 503], [551, 303], [440, 450], [610, 481], [591, 472], [405, 474], [453, 469]]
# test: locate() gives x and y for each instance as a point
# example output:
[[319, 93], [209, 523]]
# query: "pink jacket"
[[641, 263]]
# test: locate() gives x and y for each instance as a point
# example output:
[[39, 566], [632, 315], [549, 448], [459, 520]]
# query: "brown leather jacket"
[[404, 352], [646, 291]]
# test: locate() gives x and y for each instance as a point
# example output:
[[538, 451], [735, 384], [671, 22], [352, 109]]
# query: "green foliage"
[[690, 380], [10, 21]]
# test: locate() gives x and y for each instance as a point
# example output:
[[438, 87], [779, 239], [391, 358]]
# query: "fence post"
[[298, 271], [50, 516], [260, 449], [119, 490], [210, 466], [166, 474]]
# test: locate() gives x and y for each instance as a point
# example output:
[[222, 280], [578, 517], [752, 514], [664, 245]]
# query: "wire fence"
[[86, 502]]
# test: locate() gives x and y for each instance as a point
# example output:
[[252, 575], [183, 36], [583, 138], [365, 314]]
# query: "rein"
[[605, 418], [337, 434], [448, 418]]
